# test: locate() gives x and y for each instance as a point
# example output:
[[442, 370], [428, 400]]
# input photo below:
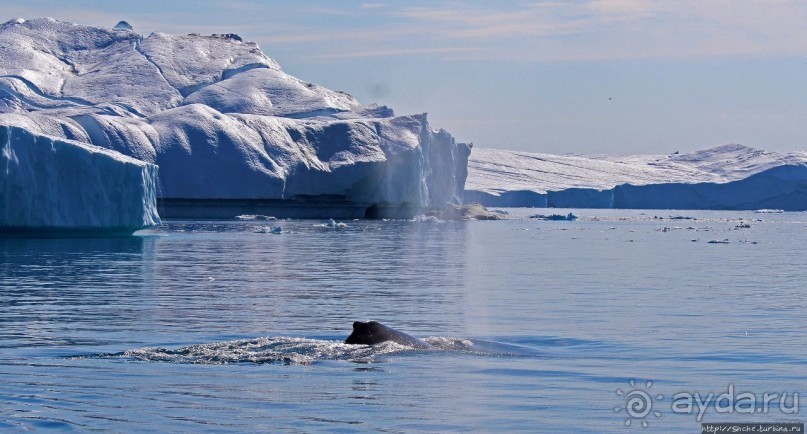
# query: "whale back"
[[373, 332]]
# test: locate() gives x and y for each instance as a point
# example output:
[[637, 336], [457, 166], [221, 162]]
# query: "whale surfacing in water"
[[373, 332]]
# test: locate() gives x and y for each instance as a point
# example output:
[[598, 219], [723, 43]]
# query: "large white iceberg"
[[230, 131], [51, 184], [724, 177]]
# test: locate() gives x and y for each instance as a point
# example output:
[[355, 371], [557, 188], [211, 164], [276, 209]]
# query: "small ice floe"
[[277, 230], [333, 224], [254, 217], [470, 211], [769, 211], [682, 217], [427, 219], [555, 217], [725, 241]]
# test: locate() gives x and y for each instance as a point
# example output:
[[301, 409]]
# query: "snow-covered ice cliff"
[[723, 177], [230, 131], [51, 184]]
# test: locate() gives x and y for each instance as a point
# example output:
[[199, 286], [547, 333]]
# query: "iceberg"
[[50, 185], [728, 177], [231, 132]]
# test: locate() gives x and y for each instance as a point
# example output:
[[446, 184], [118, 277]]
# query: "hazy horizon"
[[599, 76]]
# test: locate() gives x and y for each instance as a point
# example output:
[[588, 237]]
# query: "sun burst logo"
[[638, 403]]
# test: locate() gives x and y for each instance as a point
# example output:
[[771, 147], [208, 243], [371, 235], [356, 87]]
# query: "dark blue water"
[[536, 325]]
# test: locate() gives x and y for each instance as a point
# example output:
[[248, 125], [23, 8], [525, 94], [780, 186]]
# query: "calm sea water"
[[537, 325]]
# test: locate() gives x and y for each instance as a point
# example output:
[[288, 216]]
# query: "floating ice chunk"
[[427, 219], [332, 224], [471, 211], [254, 217], [269, 230], [555, 217]]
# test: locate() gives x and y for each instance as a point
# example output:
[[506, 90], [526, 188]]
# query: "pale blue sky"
[[587, 76]]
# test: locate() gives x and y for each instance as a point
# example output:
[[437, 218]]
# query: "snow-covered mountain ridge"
[[722, 177], [221, 120]]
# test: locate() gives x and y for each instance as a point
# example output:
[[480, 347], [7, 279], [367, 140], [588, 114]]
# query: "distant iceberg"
[[49, 184], [231, 132], [729, 177]]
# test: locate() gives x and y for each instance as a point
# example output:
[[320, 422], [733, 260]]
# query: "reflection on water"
[[55, 290], [262, 283], [218, 326]]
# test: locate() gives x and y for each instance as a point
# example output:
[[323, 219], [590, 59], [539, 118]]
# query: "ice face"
[[52, 184], [220, 118]]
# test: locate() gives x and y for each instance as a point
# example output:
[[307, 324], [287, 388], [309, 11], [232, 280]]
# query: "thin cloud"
[[372, 6], [336, 12], [398, 52], [622, 7], [360, 36], [546, 19], [620, 29], [469, 31]]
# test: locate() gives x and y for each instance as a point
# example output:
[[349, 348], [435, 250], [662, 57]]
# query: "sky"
[[581, 76]]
